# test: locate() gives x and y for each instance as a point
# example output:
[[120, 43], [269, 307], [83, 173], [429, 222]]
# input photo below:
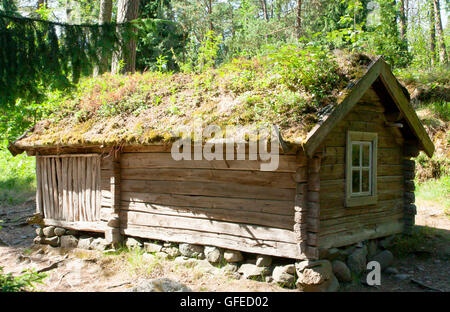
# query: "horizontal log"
[[96, 226], [339, 211]]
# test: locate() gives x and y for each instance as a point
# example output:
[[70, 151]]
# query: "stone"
[[402, 277], [391, 271], [333, 253], [372, 248], [52, 241], [384, 258], [356, 262], [317, 274], [248, 270], [161, 255], [213, 254], [49, 231], [302, 265], [152, 247], [69, 241], [191, 251], [148, 257], [281, 276], [71, 232], [38, 240], [160, 285], [172, 252], [59, 231], [341, 271], [85, 242], [263, 260], [386, 242], [132, 243], [40, 232], [232, 256], [269, 279], [230, 268], [99, 244], [290, 268]]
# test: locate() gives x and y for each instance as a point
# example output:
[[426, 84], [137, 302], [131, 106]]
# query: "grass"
[[421, 236], [17, 177], [435, 191]]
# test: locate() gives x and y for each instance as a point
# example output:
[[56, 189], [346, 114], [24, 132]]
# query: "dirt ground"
[[82, 270]]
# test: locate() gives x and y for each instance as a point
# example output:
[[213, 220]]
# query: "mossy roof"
[[148, 108]]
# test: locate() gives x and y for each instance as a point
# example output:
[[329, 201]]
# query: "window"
[[361, 168]]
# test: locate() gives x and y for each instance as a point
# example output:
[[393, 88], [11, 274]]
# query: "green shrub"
[[24, 282]]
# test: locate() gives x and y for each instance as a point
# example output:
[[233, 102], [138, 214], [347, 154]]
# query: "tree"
[[127, 11], [104, 17], [299, 19], [443, 58], [403, 20], [432, 35]]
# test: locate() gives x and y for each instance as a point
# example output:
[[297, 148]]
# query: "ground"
[[426, 261]]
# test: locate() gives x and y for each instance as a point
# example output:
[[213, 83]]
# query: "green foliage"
[[435, 190], [403, 245], [24, 282]]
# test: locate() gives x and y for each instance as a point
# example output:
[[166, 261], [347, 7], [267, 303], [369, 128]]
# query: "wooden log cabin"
[[350, 179]]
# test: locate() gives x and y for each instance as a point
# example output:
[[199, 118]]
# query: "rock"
[[172, 252], [99, 244], [316, 274], [161, 255], [386, 242], [302, 265], [40, 232], [341, 271], [402, 277], [59, 231], [232, 256], [251, 270], [38, 240], [230, 268], [269, 279], [152, 247], [384, 258], [85, 242], [333, 253], [69, 241], [52, 241], [357, 260], [36, 218], [160, 285], [281, 276], [71, 232], [148, 257], [263, 261], [334, 285], [191, 251], [372, 248], [49, 231], [391, 271], [290, 268], [213, 254], [132, 243]]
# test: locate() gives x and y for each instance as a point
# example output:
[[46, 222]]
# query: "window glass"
[[366, 155], [365, 180], [355, 155], [355, 181]]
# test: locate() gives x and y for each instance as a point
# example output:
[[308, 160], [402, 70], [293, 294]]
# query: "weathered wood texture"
[[68, 187], [409, 209], [340, 225], [229, 204]]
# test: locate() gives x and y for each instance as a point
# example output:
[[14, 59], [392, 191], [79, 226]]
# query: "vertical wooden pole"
[[112, 232], [409, 209], [313, 204]]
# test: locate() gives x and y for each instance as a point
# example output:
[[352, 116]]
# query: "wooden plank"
[[70, 195], [229, 215], [55, 212], [287, 163], [98, 194], [259, 178], [256, 246], [78, 225], [39, 201], [281, 207], [81, 188], [65, 191], [59, 182], [88, 186], [207, 189], [212, 226], [75, 178]]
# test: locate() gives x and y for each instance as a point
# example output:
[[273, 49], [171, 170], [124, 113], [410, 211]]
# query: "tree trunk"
[[104, 17], [443, 58], [402, 20], [432, 35], [264, 8], [127, 10], [299, 19]]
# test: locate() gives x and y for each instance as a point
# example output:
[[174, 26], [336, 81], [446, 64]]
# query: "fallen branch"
[[118, 285], [52, 266], [425, 286]]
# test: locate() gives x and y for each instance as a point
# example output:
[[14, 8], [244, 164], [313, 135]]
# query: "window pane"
[[366, 156], [355, 181], [355, 155], [365, 180]]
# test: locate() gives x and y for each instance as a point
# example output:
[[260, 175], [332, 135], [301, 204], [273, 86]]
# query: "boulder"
[[384, 258], [386, 242], [49, 231], [372, 248], [132, 243], [263, 261], [232, 256], [99, 244], [161, 255], [318, 277], [281, 276], [172, 252], [38, 240], [152, 247], [213, 254], [52, 241], [302, 265], [230, 268], [40, 232], [71, 232], [391, 271], [59, 231], [69, 241], [341, 271], [160, 285], [249, 270], [85, 242], [357, 260], [191, 251]]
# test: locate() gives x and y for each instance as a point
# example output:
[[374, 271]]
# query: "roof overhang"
[[379, 69]]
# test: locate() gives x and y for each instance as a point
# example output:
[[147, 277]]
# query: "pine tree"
[[104, 17], [443, 58]]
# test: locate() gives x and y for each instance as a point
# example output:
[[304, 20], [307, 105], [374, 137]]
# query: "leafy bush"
[[24, 282]]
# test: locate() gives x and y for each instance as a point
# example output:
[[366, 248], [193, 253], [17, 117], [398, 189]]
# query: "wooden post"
[[301, 178], [409, 166], [313, 206], [112, 232]]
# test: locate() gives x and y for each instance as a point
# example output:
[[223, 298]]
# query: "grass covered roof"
[[289, 87]]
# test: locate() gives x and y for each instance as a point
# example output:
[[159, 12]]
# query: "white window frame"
[[361, 198]]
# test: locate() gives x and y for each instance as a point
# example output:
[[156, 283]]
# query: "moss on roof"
[[290, 88]]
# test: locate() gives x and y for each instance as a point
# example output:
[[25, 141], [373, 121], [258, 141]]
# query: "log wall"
[[340, 225]]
